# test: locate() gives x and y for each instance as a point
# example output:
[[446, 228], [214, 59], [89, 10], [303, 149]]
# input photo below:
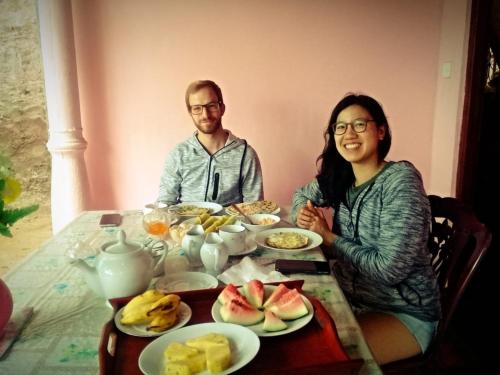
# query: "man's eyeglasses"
[[359, 126], [210, 107]]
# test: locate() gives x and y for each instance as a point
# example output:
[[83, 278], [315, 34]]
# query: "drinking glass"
[[157, 220]]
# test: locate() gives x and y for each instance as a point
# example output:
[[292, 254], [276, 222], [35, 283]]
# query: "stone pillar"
[[70, 191]]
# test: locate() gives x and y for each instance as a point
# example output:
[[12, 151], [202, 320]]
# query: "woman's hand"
[[320, 226], [313, 218], [306, 215]]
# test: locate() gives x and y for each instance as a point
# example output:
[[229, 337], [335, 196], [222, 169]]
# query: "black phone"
[[302, 266], [110, 220]]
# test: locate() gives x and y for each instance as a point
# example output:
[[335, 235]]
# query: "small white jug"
[[213, 254], [191, 244]]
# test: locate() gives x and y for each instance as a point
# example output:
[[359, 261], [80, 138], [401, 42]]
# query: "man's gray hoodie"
[[231, 175]]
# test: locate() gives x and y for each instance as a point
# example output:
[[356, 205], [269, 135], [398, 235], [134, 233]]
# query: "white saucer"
[[250, 247], [182, 281]]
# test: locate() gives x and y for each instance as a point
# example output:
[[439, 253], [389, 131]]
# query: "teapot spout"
[[90, 275]]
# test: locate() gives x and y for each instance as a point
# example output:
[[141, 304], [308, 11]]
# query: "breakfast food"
[[287, 240], [254, 291], [276, 295], [257, 207], [237, 312], [265, 221], [152, 308], [191, 210], [210, 352], [272, 323], [209, 223], [282, 304], [290, 306]]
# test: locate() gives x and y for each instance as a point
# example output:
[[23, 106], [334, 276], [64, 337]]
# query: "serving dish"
[[314, 239], [244, 346], [119, 352], [292, 325]]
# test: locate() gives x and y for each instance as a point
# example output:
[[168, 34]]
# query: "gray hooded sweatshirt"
[[382, 258], [231, 175]]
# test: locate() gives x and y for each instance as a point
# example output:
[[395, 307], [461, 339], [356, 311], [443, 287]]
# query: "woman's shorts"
[[423, 331]]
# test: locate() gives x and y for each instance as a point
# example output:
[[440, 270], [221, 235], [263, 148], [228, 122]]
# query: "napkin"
[[247, 270], [14, 328]]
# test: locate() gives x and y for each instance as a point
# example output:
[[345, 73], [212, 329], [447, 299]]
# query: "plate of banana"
[[152, 313]]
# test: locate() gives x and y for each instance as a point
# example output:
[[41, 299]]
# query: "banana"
[[203, 217], [213, 223], [148, 296], [209, 222], [231, 220], [162, 320], [166, 304], [137, 315], [145, 312]]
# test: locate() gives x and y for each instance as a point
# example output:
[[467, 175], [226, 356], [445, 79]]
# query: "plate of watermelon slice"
[[267, 310]]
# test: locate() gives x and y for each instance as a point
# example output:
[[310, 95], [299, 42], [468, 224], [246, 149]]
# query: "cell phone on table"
[[110, 220], [302, 266]]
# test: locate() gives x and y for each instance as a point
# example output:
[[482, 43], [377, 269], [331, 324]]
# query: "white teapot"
[[123, 268]]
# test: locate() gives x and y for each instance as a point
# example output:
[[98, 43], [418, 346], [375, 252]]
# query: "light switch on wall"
[[446, 70]]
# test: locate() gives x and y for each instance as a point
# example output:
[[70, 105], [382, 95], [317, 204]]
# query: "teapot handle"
[[158, 267]]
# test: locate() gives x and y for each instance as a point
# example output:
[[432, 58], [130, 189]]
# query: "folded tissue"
[[247, 270]]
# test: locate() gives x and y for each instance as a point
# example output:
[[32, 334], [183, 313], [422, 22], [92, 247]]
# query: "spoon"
[[235, 207]]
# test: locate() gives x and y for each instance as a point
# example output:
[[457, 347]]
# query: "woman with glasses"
[[380, 230]]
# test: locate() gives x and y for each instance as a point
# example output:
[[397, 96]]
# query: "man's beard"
[[211, 130]]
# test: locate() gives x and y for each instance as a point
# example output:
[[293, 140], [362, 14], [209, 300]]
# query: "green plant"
[[10, 189]]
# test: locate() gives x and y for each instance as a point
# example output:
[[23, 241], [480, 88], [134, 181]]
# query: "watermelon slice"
[[276, 295], [290, 306], [229, 293], [237, 312], [254, 291], [272, 323]]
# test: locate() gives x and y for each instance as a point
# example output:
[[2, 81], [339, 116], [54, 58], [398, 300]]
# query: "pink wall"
[[282, 65]]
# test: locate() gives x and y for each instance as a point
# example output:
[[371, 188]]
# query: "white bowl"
[[257, 218]]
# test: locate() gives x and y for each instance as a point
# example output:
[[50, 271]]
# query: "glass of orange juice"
[[157, 220]]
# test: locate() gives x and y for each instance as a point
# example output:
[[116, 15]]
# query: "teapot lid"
[[121, 246]]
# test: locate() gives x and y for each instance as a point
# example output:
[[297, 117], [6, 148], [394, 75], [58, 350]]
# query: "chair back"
[[457, 242]]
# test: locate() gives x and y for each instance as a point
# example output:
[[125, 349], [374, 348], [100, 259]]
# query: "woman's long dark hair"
[[336, 174]]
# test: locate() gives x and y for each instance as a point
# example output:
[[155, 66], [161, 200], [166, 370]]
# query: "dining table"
[[64, 318]]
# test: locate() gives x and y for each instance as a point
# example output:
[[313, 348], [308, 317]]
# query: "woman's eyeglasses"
[[359, 126]]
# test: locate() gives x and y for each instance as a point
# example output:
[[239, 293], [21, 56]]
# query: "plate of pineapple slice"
[[207, 348]]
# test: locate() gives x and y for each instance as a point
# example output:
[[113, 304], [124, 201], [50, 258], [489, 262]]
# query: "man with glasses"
[[213, 165]]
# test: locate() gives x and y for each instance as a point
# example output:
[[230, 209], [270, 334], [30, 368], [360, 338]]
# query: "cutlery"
[[235, 207]]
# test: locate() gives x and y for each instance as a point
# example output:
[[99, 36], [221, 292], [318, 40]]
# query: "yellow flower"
[[11, 190]]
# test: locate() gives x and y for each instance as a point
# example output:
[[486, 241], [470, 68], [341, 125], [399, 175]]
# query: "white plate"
[[244, 346], [213, 207], [293, 325], [228, 212], [314, 239], [250, 247], [181, 281], [184, 314]]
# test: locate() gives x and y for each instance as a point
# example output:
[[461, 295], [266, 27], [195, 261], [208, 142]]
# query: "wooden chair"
[[457, 242]]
